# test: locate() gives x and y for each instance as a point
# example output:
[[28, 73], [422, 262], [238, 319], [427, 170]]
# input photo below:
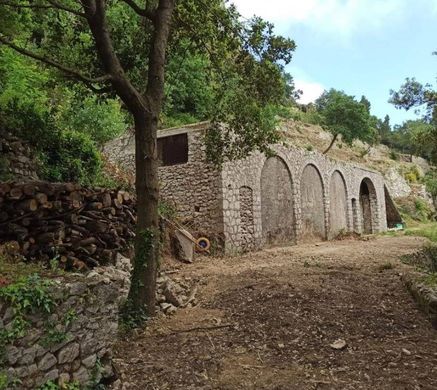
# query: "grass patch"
[[426, 230]]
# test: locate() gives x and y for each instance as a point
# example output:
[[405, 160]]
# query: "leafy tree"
[[343, 115], [413, 94], [120, 48], [423, 98], [384, 129]]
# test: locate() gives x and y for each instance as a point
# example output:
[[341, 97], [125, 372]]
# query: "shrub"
[[71, 156], [394, 155]]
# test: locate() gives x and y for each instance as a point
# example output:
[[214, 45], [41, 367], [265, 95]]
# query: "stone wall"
[[248, 172], [84, 354], [192, 188], [338, 216], [295, 195], [16, 159], [312, 204], [277, 209]]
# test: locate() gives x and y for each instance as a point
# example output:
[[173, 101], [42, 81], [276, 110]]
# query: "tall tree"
[[423, 99], [343, 116], [120, 48]]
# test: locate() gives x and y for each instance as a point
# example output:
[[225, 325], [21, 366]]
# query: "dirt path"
[[282, 308]]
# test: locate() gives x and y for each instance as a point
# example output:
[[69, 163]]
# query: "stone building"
[[294, 196]]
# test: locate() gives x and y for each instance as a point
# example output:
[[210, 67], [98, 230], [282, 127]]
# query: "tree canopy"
[[182, 60], [343, 115]]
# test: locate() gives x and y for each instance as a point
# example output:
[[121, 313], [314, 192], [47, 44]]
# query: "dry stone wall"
[[16, 159], [86, 316]]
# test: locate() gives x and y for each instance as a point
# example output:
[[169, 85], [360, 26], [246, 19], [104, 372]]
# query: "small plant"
[[28, 295], [310, 148], [386, 266], [394, 155], [50, 385]]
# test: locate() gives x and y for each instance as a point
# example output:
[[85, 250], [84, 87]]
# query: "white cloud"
[[311, 90], [339, 17]]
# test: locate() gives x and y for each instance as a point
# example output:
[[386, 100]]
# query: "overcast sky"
[[364, 47]]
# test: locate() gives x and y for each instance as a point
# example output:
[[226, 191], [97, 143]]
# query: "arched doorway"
[[368, 205], [338, 205], [312, 202], [277, 211]]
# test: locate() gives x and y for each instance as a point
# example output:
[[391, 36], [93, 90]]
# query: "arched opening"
[[247, 227], [368, 204], [313, 209], [338, 205], [277, 211]]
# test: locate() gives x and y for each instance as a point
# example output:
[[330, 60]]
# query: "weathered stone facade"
[[86, 316], [294, 196]]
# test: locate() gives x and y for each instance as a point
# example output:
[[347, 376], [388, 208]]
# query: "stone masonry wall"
[[16, 159], [84, 355], [215, 202], [192, 188], [247, 172]]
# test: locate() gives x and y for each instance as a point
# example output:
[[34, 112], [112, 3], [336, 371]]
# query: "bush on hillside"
[[63, 155]]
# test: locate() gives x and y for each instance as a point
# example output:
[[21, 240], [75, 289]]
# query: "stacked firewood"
[[80, 227]]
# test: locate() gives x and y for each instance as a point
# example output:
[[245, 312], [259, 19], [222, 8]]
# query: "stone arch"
[[247, 226], [368, 207], [338, 206], [277, 206], [312, 203]]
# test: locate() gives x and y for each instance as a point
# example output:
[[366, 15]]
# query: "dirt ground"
[[266, 320]]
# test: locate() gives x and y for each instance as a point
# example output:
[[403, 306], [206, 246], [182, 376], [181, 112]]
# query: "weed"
[[385, 266]]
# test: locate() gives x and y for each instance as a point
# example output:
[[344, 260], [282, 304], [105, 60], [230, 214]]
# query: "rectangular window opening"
[[173, 150]]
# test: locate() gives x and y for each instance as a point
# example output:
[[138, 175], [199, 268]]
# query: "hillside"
[[396, 168]]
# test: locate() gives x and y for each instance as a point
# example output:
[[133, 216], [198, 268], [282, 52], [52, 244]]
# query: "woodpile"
[[80, 227]]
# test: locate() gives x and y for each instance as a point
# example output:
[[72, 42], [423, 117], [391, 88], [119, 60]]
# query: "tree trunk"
[[147, 242], [331, 144]]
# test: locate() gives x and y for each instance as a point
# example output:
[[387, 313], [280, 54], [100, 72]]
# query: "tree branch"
[[72, 72], [60, 6], [53, 5], [15, 5], [140, 11]]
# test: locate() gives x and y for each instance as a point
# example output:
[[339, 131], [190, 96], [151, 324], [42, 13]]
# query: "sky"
[[363, 47]]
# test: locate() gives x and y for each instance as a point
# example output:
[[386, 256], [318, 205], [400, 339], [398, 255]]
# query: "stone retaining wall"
[[91, 304], [16, 159], [294, 195]]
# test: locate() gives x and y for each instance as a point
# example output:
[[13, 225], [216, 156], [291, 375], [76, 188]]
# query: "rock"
[[168, 308], [171, 291], [90, 361], [123, 263], [81, 375], [63, 379], [78, 288], [51, 376], [183, 245], [68, 353], [47, 362], [339, 344], [13, 354]]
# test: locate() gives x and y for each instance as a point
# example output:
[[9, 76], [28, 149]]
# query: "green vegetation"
[[424, 230], [50, 385], [343, 116], [414, 210]]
